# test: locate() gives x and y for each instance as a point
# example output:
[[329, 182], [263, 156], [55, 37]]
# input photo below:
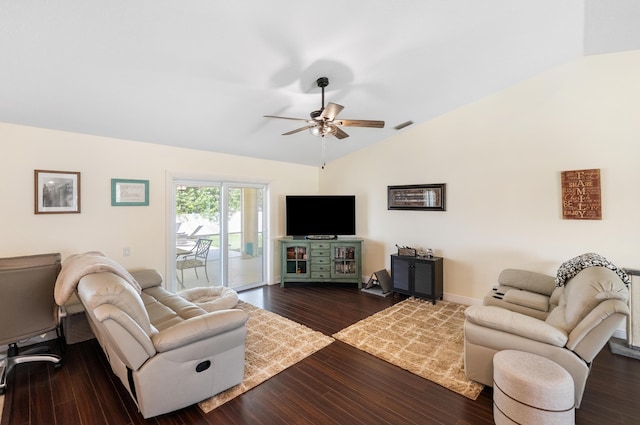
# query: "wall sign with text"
[[581, 198], [125, 192]]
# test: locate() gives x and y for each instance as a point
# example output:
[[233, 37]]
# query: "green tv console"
[[309, 260]]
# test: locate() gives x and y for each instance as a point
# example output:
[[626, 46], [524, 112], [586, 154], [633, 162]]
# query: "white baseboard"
[[461, 300], [620, 333]]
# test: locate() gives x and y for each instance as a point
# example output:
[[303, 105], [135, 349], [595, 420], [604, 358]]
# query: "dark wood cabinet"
[[417, 276]]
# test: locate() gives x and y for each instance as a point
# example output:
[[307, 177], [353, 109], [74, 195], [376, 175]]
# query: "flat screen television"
[[320, 215]]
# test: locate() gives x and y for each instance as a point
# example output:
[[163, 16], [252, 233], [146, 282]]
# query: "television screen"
[[325, 215]]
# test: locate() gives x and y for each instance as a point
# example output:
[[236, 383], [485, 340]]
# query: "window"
[[231, 215]]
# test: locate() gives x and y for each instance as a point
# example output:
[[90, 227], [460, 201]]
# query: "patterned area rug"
[[273, 344], [425, 339]]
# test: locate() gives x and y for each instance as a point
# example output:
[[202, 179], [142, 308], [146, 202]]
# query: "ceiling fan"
[[323, 122]]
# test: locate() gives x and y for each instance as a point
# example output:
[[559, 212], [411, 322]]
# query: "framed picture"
[[581, 197], [129, 192], [56, 192], [417, 197]]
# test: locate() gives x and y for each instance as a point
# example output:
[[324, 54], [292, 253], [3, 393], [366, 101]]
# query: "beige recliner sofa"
[[590, 307], [168, 352]]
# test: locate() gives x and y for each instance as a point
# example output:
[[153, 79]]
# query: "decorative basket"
[[407, 252]]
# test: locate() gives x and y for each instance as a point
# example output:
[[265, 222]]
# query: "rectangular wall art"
[[57, 192], [129, 192], [581, 198], [417, 197]]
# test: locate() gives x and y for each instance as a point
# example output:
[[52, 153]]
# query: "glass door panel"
[[245, 256], [296, 259], [197, 210], [344, 260]]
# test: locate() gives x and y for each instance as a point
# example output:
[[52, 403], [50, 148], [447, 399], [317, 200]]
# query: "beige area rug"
[[425, 339], [273, 344]]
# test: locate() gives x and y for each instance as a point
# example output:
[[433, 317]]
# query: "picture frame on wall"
[[581, 194], [131, 193], [56, 192], [426, 197]]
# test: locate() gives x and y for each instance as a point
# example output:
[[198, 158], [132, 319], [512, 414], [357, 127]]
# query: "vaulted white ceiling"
[[202, 73]]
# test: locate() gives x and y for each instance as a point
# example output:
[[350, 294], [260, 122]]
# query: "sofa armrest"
[[198, 328], [528, 281], [126, 337], [527, 299], [515, 323], [591, 334], [147, 278]]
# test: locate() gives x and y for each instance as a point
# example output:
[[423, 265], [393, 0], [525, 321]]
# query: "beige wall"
[[109, 229], [501, 159]]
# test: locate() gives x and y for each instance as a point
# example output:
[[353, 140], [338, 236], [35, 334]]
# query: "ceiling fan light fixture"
[[323, 130], [316, 130]]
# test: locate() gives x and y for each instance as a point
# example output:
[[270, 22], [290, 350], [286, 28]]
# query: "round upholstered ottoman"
[[530, 389], [211, 298]]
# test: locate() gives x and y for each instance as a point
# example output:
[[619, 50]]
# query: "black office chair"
[[27, 308], [196, 258]]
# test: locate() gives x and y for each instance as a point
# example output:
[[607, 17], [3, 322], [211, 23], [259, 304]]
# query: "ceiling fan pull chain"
[[324, 149]]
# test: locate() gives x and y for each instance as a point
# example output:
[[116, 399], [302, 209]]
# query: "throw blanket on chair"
[[572, 267], [77, 266]]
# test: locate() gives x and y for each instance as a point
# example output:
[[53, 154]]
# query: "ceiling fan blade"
[[286, 118], [306, 127], [330, 112], [340, 134], [361, 123]]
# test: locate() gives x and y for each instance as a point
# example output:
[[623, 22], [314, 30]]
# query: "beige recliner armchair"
[[591, 306]]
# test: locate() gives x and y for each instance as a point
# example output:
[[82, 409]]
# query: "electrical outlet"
[[126, 251]]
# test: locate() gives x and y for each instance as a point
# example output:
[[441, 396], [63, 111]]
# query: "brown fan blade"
[[360, 123], [286, 118], [340, 134], [330, 112], [298, 130]]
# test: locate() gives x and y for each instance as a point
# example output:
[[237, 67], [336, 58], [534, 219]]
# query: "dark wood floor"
[[339, 384]]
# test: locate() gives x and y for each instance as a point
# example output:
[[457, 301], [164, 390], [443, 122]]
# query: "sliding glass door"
[[227, 218]]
